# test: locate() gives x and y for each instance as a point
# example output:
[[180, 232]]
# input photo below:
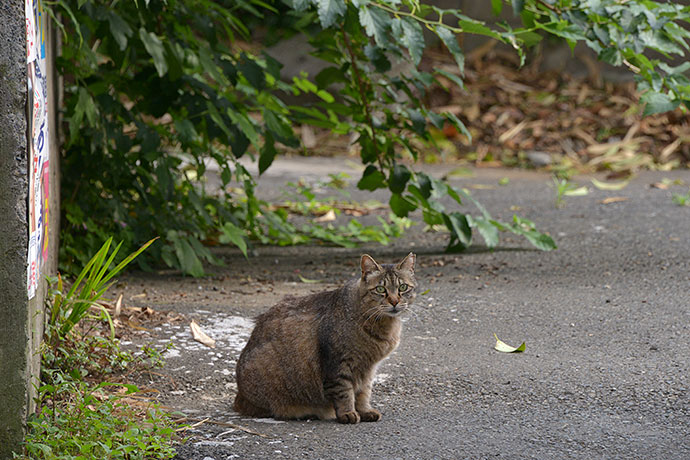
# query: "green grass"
[[681, 200]]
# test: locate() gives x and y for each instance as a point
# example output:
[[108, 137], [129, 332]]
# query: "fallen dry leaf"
[[610, 185], [613, 199], [118, 307], [505, 348], [200, 336], [328, 217]]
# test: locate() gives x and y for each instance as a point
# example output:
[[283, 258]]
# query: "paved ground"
[[606, 319]]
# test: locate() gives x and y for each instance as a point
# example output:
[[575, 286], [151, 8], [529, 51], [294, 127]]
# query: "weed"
[[66, 310], [681, 200], [301, 199], [80, 418], [566, 188]]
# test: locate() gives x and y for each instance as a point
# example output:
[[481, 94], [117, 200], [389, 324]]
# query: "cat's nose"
[[394, 301]]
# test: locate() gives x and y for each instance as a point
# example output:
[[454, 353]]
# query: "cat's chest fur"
[[361, 345]]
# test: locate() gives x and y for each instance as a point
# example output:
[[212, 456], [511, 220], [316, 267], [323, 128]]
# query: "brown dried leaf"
[[613, 199], [118, 307], [328, 217], [200, 336]]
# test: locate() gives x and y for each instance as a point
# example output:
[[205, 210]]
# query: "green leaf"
[[279, 128], [376, 24], [189, 262], [424, 184], [154, 46], [486, 229], [526, 228], [476, 27], [496, 7], [329, 11], [398, 179], [226, 176], [119, 28], [377, 57], [268, 153], [232, 234], [505, 348], [85, 106], [330, 75], [298, 5], [576, 191], [412, 38], [245, 124], [563, 29], [458, 124], [448, 38], [657, 103], [372, 179], [252, 71], [610, 185], [459, 229], [452, 77], [612, 56], [400, 205], [540, 240], [218, 119], [307, 280]]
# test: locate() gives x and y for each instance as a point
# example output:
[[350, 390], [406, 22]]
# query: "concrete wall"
[[21, 320]]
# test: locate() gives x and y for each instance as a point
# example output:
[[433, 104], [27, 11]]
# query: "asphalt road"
[[605, 318]]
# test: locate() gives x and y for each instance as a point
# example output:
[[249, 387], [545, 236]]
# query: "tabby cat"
[[316, 356]]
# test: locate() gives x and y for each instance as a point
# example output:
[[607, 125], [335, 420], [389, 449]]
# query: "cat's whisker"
[[374, 311]]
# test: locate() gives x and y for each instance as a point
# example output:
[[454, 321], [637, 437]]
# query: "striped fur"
[[316, 356]]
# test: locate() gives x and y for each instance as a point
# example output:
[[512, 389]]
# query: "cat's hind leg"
[[304, 412], [245, 407]]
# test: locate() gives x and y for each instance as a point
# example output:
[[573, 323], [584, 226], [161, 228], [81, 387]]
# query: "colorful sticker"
[[39, 153]]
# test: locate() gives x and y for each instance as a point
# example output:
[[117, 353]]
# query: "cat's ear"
[[369, 265], [407, 263]]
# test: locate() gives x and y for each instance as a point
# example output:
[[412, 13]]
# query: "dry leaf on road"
[[200, 336], [613, 199], [505, 348]]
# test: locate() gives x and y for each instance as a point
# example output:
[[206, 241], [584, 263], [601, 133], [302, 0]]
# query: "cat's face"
[[388, 289]]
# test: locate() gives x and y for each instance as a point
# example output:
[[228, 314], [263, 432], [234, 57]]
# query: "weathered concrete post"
[[21, 316]]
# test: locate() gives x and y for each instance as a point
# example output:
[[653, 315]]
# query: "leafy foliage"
[[79, 355], [620, 33], [80, 418], [83, 421], [158, 91]]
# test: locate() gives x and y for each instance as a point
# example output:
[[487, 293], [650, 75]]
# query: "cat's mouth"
[[395, 310]]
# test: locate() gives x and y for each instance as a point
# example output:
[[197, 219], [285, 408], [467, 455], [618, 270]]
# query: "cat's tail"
[[243, 406]]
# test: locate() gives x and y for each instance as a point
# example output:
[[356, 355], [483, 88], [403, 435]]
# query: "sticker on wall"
[[38, 130]]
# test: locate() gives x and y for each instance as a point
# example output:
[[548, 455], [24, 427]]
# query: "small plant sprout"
[[681, 200], [566, 188]]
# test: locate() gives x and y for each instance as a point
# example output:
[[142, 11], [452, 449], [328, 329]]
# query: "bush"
[[156, 90]]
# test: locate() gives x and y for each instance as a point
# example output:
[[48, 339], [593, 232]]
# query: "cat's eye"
[[380, 289], [403, 287]]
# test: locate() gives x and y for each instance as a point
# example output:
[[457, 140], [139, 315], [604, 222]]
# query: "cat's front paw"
[[372, 415], [348, 417]]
